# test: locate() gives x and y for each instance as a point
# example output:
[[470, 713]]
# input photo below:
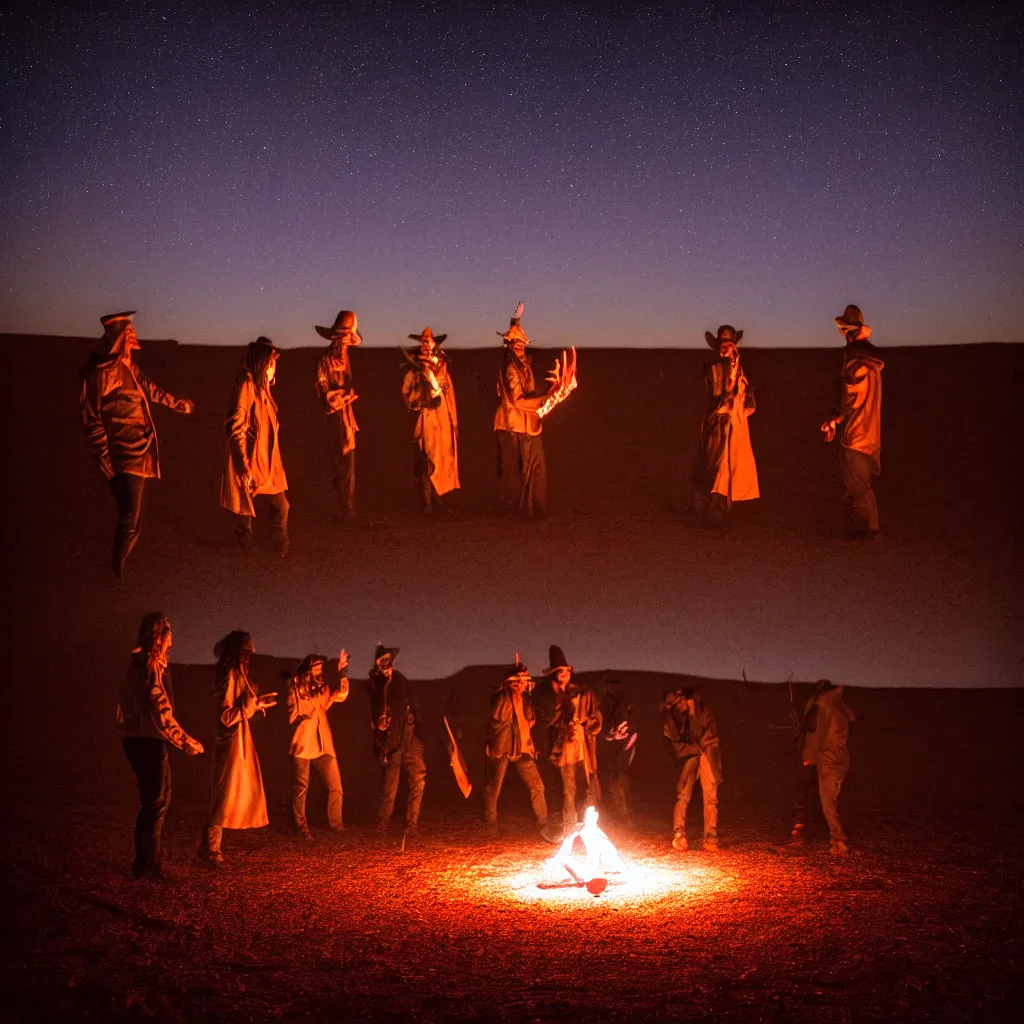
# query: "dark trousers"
[[571, 773], [826, 779], [522, 473], [497, 769], [421, 470], [860, 507], [327, 766], [410, 757], [148, 758], [127, 490], [343, 464], [278, 521]]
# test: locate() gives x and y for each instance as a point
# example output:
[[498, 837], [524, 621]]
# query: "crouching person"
[[690, 729], [309, 698], [510, 741], [145, 713]]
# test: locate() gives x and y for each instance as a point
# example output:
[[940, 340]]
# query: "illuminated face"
[[727, 348], [165, 640], [518, 684], [385, 663], [519, 348], [271, 370], [427, 347], [562, 676], [316, 672]]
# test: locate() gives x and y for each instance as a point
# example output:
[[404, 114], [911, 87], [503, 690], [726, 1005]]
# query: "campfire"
[[588, 856]]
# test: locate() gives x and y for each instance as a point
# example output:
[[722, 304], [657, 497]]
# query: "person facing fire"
[[396, 739], [115, 398], [335, 388], [860, 417], [239, 800], [574, 728], [690, 729], [428, 392], [724, 469], [253, 466], [309, 699], [619, 746], [145, 714], [510, 741], [824, 756]]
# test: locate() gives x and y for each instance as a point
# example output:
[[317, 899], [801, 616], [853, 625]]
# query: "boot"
[[838, 847], [679, 841], [711, 842]]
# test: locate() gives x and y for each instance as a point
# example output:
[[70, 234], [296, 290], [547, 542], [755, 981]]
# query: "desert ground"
[[921, 922]]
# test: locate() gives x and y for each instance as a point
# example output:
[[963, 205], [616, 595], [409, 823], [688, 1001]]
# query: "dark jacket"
[[503, 739], [587, 715], [146, 702], [693, 735], [393, 707], [860, 402], [519, 397]]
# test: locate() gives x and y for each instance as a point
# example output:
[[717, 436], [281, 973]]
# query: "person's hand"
[[828, 428], [185, 405], [266, 700], [343, 660], [246, 482], [193, 747]]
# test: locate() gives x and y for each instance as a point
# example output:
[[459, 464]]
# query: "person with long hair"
[[253, 467], [145, 713], [239, 800]]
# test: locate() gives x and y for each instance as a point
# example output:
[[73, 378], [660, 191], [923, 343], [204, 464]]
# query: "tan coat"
[[307, 711], [437, 424], [518, 397], [725, 462], [253, 446], [577, 722], [861, 401], [826, 724], [238, 797]]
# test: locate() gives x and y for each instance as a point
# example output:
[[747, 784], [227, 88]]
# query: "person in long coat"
[[238, 797], [724, 468], [427, 391], [253, 466], [115, 399]]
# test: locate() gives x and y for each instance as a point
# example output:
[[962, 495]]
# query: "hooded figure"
[[510, 741], [724, 469], [238, 797], [114, 398], [860, 417], [428, 392], [253, 463], [335, 388]]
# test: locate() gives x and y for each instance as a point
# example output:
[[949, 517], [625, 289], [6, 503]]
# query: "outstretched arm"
[[160, 397]]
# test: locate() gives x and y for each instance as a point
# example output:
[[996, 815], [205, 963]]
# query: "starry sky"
[[637, 173]]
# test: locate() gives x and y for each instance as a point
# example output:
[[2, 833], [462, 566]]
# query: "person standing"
[[690, 729], [239, 800], [724, 469], [510, 741], [860, 417], [309, 699], [396, 739], [145, 714], [253, 466], [427, 391], [574, 729], [114, 398], [335, 388], [619, 746]]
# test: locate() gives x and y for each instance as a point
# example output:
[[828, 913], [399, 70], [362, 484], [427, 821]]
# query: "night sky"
[[636, 174]]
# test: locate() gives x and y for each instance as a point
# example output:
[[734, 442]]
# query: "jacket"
[[253, 446], [861, 401], [581, 721], [518, 397], [394, 709], [503, 735], [145, 705], [307, 711], [826, 726], [693, 735], [335, 387], [436, 432]]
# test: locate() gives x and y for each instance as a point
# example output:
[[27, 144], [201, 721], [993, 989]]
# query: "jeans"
[[278, 522], [343, 464], [570, 773], [860, 506], [693, 768], [127, 490], [410, 757], [327, 766], [497, 768], [148, 758]]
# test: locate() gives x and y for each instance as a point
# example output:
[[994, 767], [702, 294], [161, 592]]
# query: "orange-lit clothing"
[[335, 387], [253, 446], [437, 422], [307, 712], [693, 735], [518, 397], [861, 401], [575, 728], [146, 702], [239, 800], [826, 727], [509, 727], [725, 462]]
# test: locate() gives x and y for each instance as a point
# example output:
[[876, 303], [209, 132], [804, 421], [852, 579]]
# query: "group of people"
[[116, 398], [584, 736]]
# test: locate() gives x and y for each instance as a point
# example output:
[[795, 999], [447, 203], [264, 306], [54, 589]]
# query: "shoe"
[[338, 830], [551, 834], [711, 843], [304, 833], [838, 848], [679, 841], [411, 830]]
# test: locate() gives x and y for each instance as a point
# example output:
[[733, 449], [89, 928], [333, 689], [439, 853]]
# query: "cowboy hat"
[[715, 340], [852, 317], [113, 318], [382, 651], [428, 334], [346, 325]]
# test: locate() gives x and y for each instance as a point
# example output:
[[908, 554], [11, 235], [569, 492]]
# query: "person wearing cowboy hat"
[[335, 388], [309, 698], [860, 417], [522, 469], [253, 466], [573, 729], [428, 392], [115, 400], [396, 740], [510, 741], [724, 469]]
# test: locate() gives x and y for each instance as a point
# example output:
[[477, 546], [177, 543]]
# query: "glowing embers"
[[588, 857]]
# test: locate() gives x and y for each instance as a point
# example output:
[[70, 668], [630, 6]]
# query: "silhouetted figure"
[[145, 714], [253, 466], [309, 699], [427, 390], [335, 388], [510, 742], [396, 739], [724, 470], [690, 729], [574, 728], [619, 747], [238, 797], [115, 399], [860, 417]]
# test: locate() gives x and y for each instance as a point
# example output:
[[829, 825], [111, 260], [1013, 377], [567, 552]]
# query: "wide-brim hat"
[[714, 340], [382, 650], [514, 333], [262, 343], [556, 660], [114, 318], [437, 339], [337, 330], [852, 317], [517, 671]]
